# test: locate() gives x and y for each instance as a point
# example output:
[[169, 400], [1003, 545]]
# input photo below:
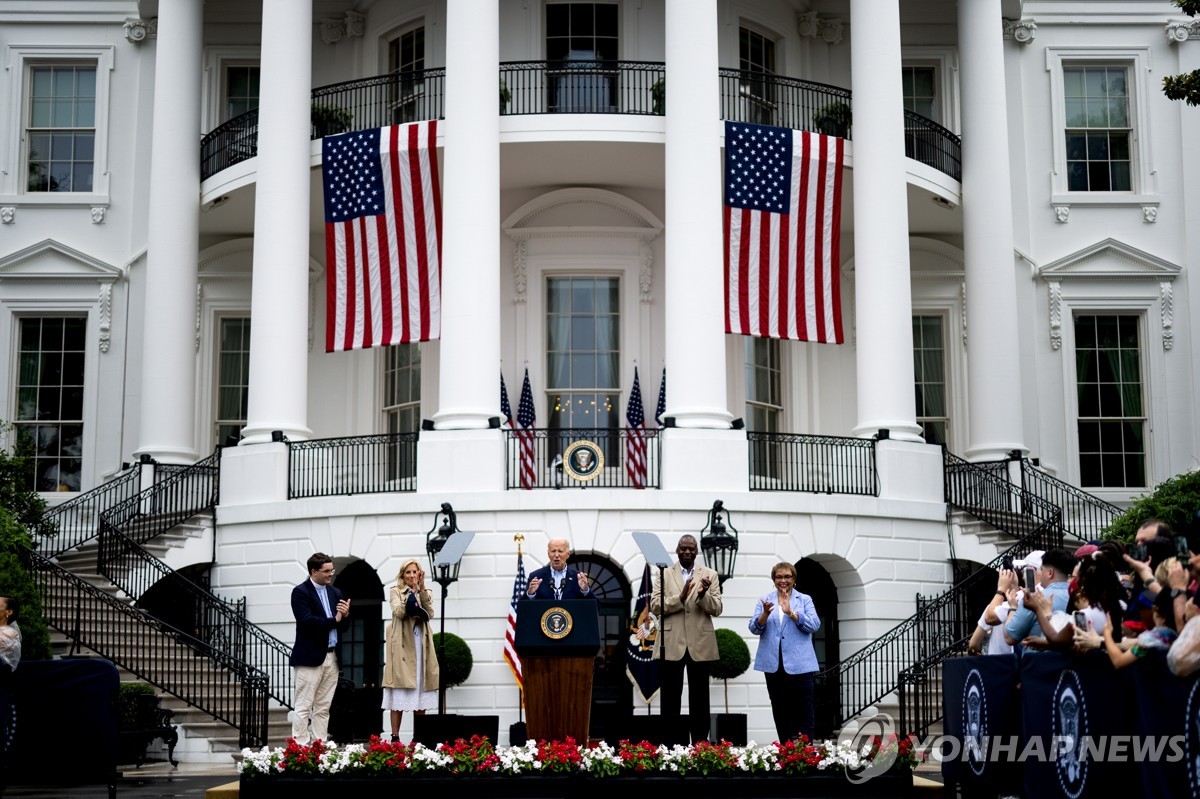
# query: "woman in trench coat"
[[410, 673]]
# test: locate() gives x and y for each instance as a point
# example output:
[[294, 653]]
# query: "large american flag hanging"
[[526, 424], [383, 225], [510, 631], [635, 442], [783, 200]]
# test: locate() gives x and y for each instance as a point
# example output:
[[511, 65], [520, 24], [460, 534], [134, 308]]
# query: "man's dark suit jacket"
[[570, 589], [312, 625]]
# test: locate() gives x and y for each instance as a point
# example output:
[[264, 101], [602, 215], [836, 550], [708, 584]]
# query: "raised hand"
[[533, 585]]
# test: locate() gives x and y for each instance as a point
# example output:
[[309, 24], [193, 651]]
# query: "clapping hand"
[[533, 585], [583, 582], [766, 611], [705, 582]]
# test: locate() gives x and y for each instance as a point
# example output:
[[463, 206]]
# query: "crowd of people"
[[1130, 601]]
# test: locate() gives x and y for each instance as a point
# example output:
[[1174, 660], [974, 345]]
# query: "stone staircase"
[[202, 737]]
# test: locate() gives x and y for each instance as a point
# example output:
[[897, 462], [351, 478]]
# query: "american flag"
[[783, 201], [526, 425], [510, 631], [505, 408], [383, 224], [635, 443], [661, 408]]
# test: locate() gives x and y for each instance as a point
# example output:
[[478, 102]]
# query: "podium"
[[557, 641]]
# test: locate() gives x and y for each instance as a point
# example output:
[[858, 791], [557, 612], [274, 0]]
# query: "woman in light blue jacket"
[[784, 621]]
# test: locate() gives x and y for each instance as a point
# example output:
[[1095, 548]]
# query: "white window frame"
[[219, 317], [944, 61], [13, 178], [216, 61], [1137, 60]]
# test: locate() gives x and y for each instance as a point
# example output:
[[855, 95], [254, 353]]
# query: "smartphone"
[[1007, 563], [1136, 551], [1080, 620], [1181, 549], [1030, 578]]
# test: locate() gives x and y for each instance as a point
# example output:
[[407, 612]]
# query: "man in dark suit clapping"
[[557, 580], [320, 611]]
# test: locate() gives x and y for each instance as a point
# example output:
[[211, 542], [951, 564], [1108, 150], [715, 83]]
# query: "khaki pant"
[[314, 694]]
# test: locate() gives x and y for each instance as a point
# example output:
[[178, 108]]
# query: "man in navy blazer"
[[558, 580], [320, 611]]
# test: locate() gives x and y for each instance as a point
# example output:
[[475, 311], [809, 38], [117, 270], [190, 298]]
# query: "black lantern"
[[435, 539], [718, 544]]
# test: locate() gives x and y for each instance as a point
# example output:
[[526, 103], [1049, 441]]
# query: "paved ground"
[[152, 781]]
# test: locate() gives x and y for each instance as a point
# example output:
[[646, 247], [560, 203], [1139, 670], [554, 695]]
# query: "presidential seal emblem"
[[1070, 729], [975, 722], [583, 461], [557, 623]]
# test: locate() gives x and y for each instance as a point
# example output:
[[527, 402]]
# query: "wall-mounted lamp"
[[718, 545]]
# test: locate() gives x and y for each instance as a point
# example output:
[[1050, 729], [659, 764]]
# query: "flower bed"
[[562, 768]]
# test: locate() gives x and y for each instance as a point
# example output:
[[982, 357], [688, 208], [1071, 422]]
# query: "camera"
[[1030, 578], [1136, 551], [1182, 551], [1080, 620], [1007, 563]]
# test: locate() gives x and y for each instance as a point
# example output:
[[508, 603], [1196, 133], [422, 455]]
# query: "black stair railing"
[[220, 623], [208, 677], [77, 521], [934, 632], [1085, 516]]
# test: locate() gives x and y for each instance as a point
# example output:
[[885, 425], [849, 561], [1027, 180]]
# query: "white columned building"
[[168, 390], [882, 288], [278, 391], [993, 356]]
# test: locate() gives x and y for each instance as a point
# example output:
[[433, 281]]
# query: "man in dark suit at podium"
[[557, 580]]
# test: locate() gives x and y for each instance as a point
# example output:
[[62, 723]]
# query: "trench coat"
[[400, 655]]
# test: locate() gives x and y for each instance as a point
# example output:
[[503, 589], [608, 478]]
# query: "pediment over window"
[[582, 213], [1110, 260], [50, 260]]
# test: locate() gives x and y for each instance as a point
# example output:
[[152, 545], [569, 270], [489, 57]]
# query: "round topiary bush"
[[455, 664], [733, 661]]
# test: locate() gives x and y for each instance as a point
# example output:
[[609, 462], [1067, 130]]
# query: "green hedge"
[[1176, 501]]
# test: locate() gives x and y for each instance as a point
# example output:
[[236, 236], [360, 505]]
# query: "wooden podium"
[[557, 641]]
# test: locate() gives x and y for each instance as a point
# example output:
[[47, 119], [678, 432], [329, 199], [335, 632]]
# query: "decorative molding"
[[1182, 31], [356, 24], [7, 214], [1150, 213], [520, 267], [962, 291], [622, 218], [1062, 213], [646, 276], [1021, 31], [1055, 314], [98, 212], [1166, 310], [333, 30], [199, 309], [105, 316], [811, 26], [139, 30], [50, 260]]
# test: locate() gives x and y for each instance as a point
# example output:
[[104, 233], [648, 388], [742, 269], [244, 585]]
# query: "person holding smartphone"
[[1050, 574]]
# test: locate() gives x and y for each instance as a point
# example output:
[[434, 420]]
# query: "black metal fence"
[[928, 142], [1084, 516], [77, 521], [544, 451], [763, 98], [330, 467], [228, 144], [817, 464], [582, 87], [209, 677]]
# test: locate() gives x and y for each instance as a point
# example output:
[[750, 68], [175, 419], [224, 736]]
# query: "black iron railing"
[[545, 450], [819, 464], [1084, 516], [767, 99], [329, 467], [931, 144], [941, 625], [582, 87], [206, 676], [228, 144], [221, 623], [77, 520]]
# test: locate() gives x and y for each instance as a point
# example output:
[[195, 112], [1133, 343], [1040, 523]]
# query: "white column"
[[469, 367], [993, 357], [882, 294], [694, 309], [168, 401], [278, 392]]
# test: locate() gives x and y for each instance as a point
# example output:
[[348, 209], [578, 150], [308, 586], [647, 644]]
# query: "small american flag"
[[505, 408], [526, 424], [510, 631], [635, 443], [783, 201], [383, 222], [661, 408]]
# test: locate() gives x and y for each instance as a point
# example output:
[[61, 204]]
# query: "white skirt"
[[412, 698]]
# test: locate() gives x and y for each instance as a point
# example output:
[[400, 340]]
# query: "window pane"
[[1111, 426], [557, 332], [49, 395], [560, 371], [583, 333]]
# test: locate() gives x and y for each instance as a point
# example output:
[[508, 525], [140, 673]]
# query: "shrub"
[[1176, 501], [456, 667], [20, 511], [733, 660], [834, 119]]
